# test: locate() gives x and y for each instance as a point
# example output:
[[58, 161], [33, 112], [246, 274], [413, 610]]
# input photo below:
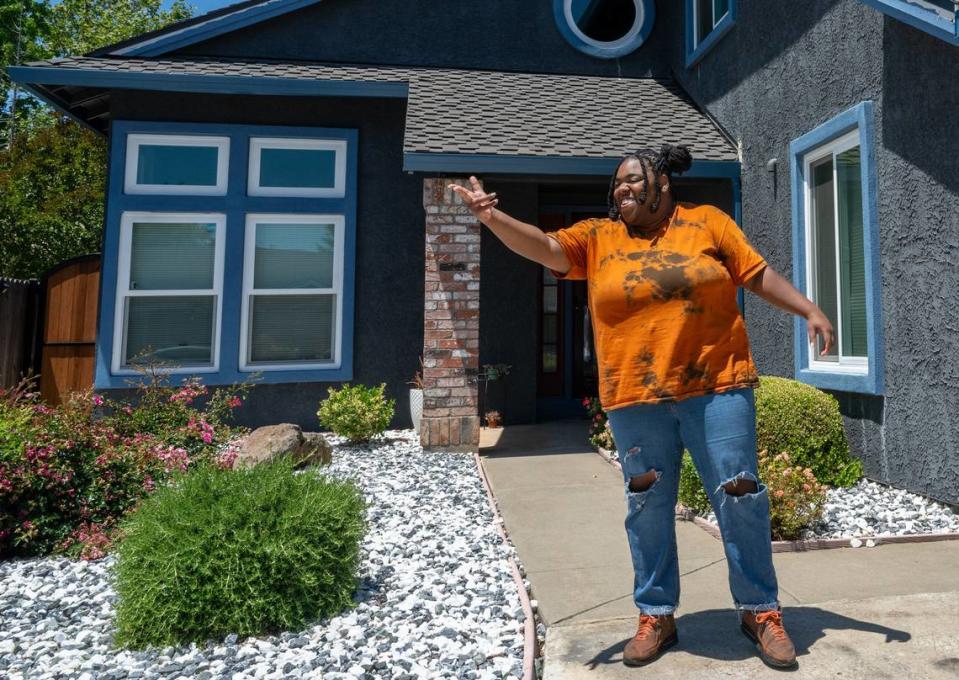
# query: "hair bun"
[[675, 159]]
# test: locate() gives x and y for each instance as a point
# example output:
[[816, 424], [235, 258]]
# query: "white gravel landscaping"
[[436, 595]]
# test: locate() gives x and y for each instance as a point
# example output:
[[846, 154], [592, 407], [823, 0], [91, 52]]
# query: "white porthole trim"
[[632, 40], [249, 259], [124, 292], [614, 44]]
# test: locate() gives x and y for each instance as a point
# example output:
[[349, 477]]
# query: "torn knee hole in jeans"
[[644, 482], [640, 486], [743, 485]]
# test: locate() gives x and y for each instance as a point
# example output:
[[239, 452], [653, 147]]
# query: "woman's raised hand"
[[478, 201], [818, 325]]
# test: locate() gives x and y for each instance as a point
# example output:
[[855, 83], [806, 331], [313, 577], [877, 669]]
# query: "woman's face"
[[634, 193]]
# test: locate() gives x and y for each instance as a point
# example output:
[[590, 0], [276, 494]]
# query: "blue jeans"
[[719, 430]]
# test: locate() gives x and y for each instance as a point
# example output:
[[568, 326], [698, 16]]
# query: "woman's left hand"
[[818, 324]]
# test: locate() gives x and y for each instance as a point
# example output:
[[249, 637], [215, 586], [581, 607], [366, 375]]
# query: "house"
[[277, 195]]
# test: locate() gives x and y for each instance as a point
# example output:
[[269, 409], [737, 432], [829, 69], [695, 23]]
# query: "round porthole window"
[[605, 28]]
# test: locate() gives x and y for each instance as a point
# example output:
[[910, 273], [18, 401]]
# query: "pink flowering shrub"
[[795, 495], [599, 433], [69, 473]]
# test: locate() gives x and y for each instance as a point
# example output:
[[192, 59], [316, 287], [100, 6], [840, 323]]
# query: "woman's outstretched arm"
[[524, 239], [773, 288]]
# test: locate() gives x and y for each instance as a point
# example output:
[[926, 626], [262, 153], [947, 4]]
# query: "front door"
[[567, 359]]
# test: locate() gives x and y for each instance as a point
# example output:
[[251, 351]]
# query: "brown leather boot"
[[654, 635], [766, 630]]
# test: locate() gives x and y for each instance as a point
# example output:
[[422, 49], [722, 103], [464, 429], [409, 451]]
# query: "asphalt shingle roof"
[[493, 112], [554, 115]]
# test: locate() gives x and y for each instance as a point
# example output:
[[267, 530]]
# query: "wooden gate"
[[71, 294]]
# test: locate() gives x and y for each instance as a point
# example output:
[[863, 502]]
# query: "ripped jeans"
[[719, 430]]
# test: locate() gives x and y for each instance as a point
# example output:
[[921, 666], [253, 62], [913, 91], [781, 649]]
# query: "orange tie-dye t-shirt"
[[665, 319]]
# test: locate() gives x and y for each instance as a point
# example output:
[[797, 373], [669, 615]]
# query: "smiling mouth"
[[626, 202]]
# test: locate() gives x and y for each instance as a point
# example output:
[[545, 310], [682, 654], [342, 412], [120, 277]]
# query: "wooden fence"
[[19, 329]]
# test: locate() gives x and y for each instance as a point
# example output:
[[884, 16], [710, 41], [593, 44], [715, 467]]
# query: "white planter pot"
[[416, 408]]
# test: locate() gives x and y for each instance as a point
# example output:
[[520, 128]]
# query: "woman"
[[675, 372]]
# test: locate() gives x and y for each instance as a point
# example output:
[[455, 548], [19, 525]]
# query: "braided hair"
[[668, 160]]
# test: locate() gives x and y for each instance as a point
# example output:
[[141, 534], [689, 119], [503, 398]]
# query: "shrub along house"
[[277, 196]]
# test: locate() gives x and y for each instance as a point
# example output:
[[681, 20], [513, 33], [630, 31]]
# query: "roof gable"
[[210, 25]]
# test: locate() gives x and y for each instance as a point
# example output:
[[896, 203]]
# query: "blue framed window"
[[229, 249], [836, 250], [936, 17], [606, 29], [707, 21]]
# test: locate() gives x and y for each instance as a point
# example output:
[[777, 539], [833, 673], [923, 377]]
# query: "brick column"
[[451, 320]]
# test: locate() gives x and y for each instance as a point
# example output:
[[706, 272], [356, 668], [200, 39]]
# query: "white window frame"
[[257, 144], [124, 292], [249, 254], [135, 140], [698, 39], [844, 364]]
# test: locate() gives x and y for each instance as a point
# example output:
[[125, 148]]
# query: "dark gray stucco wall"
[[509, 35], [815, 60], [390, 259]]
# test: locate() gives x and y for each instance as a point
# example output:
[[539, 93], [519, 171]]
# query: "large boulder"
[[266, 443]]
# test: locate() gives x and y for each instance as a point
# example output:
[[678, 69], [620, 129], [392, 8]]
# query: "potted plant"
[[416, 397], [494, 373], [493, 419]]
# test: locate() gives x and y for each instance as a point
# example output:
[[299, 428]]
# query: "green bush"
[[805, 422], [357, 412], [237, 551], [691, 491]]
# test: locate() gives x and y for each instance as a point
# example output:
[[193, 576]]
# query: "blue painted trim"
[[601, 51], [918, 17], [216, 84], [205, 30], [859, 117], [235, 205], [544, 165], [725, 25]]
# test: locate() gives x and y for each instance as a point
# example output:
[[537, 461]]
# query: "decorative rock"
[[855, 543], [415, 562], [266, 443]]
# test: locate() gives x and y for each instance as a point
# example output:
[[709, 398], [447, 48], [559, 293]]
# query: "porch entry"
[[566, 370]]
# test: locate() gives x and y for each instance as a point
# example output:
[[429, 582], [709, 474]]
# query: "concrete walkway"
[[884, 612]]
